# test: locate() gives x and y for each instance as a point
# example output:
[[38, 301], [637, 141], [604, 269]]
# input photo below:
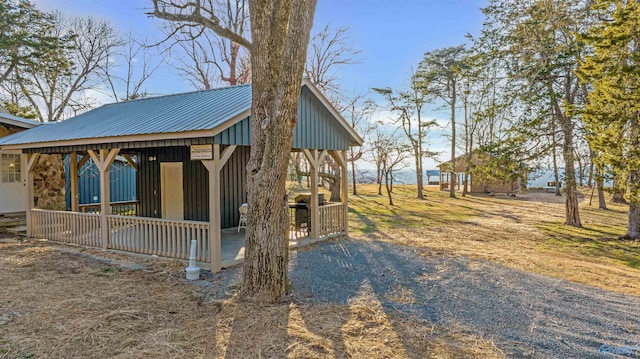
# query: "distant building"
[[13, 193], [478, 182], [433, 177]]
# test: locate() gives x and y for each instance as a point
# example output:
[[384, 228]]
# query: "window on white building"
[[10, 167]]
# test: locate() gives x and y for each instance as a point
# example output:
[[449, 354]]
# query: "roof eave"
[[133, 138], [16, 123]]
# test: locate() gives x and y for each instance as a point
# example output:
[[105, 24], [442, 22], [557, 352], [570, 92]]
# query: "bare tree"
[[280, 31], [328, 51], [203, 57], [358, 109], [127, 70], [407, 107], [55, 86], [391, 153]]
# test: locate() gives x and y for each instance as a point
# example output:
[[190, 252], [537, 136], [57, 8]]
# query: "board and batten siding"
[[316, 128], [195, 184], [122, 179]]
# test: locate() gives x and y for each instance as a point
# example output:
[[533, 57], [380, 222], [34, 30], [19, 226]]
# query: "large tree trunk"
[[580, 172], [554, 146], [602, 203], [280, 33], [633, 226], [619, 189], [591, 169], [334, 186], [452, 189], [572, 214], [419, 177], [388, 183]]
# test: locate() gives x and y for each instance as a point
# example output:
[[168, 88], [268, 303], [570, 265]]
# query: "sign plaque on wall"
[[201, 152]]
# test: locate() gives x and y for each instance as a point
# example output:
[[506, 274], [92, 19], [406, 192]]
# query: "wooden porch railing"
[[165, 238], [124, 208], [154, 236], [162, 237], [68, 227], [331, 220]]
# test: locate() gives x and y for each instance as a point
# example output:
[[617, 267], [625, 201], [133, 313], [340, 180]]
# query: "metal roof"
[[191, 111], [17, 121], [185, 115]]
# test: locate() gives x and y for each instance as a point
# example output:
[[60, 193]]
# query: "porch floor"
[[232, 244]]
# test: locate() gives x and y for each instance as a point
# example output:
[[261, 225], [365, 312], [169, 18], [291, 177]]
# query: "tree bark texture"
[[619, 189], [452, 189], [633, 224], [572, 214], [280, 33], [602, 203], [556, 177], [419, 177], [388, 184]]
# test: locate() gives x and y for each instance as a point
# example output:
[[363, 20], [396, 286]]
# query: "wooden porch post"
[[345, 192], [75, 200], [340, 157], [32, 159], [314, 162], [214, 166], [103, 162]]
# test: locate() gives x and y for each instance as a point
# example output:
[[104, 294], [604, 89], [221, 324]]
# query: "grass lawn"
[[525, 232], [62, 302]]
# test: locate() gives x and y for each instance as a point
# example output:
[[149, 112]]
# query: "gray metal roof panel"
[[20, 120], [192, 111]]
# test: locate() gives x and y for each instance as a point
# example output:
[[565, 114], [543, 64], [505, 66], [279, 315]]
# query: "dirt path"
[[526, 315]]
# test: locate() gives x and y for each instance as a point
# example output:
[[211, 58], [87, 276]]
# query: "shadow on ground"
[[527, 315]]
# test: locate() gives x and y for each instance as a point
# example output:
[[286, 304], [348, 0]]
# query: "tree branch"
[[212, 22]]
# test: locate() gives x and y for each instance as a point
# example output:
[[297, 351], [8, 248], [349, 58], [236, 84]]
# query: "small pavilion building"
[[190, 152]]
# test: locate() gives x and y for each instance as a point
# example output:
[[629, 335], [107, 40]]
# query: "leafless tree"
[[391, 153], [203, 57], [55, 86], [126, 70], [328, 51], [357, 109], [407, 107]]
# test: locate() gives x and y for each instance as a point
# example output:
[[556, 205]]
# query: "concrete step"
[[21, 231], [13, 215], [12, 222]]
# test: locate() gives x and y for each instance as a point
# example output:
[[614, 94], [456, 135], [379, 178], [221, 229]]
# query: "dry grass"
[[61, 302], [525, 232]]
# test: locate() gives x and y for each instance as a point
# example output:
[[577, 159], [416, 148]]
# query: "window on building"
[[10, 167]]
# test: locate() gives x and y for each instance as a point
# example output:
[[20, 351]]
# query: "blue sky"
[[392, 35]]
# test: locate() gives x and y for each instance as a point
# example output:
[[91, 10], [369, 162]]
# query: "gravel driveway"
[[525, 314]]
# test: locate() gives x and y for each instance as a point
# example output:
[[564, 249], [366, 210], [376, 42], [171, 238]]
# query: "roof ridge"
[[178, 94]]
